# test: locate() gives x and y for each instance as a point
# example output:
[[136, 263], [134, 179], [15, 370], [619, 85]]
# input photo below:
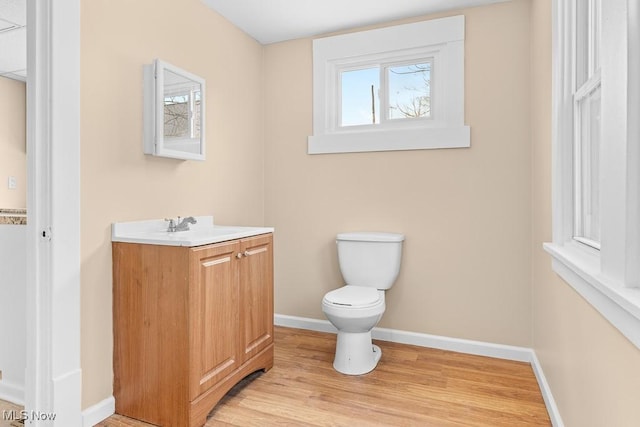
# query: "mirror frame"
[[154, 141]]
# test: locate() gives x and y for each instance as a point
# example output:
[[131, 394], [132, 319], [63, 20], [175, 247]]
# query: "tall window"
[[587, 123], [596, 143]]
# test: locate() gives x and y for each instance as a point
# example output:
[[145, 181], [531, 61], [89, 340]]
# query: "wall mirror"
[[174, 112]]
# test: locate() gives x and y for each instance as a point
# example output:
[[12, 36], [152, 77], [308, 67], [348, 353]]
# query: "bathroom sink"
[[204, 232]]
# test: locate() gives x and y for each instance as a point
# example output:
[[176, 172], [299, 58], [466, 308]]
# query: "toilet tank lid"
[[371, 236]]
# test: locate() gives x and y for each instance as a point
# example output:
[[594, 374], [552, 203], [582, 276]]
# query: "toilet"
[[369, 263]]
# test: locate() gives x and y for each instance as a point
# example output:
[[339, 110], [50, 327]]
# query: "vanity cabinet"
[[189, 323]]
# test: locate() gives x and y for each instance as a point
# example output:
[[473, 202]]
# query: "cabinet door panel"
[[256, 294], [215, 315]]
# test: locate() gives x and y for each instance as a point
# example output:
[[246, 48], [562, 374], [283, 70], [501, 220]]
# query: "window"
[[406, 93], [395, 88], [596, 143], [587, 123]]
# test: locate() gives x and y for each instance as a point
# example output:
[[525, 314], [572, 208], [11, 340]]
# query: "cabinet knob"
[[246, 253], [239, 255]]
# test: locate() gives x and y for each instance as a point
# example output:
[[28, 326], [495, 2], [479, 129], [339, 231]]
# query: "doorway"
[[53, 374], [13, 195]]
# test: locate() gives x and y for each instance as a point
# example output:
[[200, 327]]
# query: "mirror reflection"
[[174, 112], [181, 107]]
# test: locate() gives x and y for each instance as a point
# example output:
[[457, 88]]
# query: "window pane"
[[409, 91], [587, 39], [588, 167], [359, 90], [594, 32]]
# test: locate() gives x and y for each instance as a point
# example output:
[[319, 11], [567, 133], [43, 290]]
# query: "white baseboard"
[[549, 401], [480, 348], [500, 351], [11, 392], [98, 412], [67, 395], [304, 323]]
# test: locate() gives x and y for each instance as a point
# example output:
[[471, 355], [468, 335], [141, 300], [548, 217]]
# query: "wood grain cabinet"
[[189, 323]]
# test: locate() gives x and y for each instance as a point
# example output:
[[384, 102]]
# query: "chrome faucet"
[[180, 225]]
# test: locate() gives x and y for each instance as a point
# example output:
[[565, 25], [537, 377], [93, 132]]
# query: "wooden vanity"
[[189, 323]]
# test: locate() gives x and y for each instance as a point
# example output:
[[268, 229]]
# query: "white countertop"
[[204, 232]]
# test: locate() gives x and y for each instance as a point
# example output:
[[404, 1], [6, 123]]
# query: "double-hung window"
[[596, 151], [394, 88], [586, 113]]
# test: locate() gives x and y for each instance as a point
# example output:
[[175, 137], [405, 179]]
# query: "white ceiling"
[[267, 21], [13, 39], [270, 21]]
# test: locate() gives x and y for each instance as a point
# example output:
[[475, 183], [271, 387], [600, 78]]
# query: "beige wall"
[[13, 143], [466, 213], [593, 371], [120, 183]]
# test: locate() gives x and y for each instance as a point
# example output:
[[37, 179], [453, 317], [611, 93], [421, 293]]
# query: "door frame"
[[53, 373]]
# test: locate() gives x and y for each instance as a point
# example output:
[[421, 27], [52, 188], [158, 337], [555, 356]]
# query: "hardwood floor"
[[10, 414], [412, 386]]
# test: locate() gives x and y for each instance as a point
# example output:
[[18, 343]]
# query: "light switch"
[[12, 183]]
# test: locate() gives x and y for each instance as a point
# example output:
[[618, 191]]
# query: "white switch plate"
[[12, 183]]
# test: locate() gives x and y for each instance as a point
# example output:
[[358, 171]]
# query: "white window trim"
[[439, 38], [608, 279]]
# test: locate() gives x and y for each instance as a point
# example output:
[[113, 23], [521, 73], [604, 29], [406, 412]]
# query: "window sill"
[[390, 140], [581, 270]]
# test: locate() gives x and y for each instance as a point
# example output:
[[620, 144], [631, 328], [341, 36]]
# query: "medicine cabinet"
[[174, 112]]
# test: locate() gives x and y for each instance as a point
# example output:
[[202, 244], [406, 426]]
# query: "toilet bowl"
[[369, 263], [355, 354]]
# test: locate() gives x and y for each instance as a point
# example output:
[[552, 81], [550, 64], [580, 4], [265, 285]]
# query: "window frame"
[[439, 40], [609, 278]]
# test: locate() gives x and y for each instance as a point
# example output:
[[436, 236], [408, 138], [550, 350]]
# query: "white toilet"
[[370, 263]]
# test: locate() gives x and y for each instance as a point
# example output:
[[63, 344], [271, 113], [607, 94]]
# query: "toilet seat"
[[354, 297]]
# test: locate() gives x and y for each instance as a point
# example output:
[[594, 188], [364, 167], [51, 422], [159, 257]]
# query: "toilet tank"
[[370, 259]]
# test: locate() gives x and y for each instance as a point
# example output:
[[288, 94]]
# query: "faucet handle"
[[172, 224]]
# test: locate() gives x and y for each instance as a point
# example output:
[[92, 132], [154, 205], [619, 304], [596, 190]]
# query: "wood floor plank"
[[9, 413], [412, 386]]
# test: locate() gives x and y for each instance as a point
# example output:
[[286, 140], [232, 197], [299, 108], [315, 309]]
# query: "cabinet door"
[[214, 318], [256, 294]]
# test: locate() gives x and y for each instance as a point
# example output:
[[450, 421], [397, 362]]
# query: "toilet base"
[[355, 354]]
